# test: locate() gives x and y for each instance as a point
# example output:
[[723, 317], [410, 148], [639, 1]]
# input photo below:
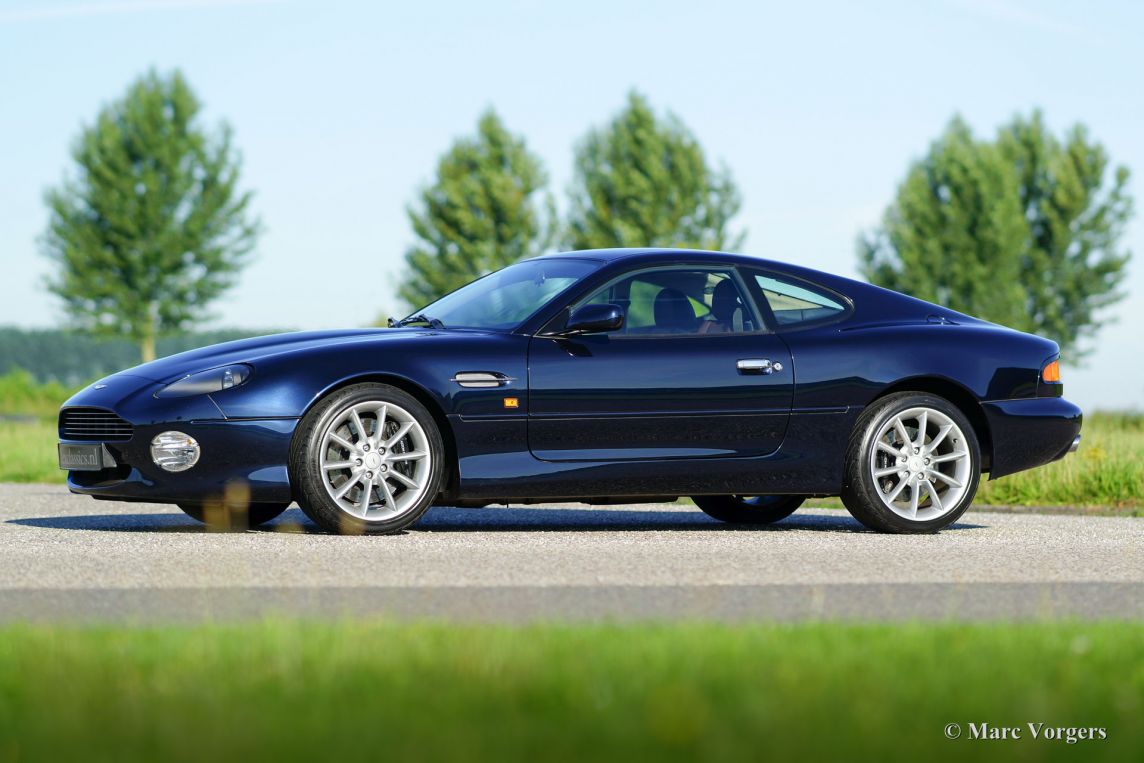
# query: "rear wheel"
[[226, 517], [367, 460], [912, 465], [752, 510]]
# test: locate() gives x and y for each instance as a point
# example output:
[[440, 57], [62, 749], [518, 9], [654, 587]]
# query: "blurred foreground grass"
[[1108, 470], [361, 690]]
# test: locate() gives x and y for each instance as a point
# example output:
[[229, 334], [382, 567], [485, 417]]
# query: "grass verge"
[[358, 690], [28, 433], [28, 452]]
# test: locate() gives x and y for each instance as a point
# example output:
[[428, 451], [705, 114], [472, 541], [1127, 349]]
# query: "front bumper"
[[251, 453], [1031, 432]]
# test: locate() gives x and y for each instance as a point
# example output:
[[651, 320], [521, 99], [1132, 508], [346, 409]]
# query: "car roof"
[[668, 255], [652, 253]]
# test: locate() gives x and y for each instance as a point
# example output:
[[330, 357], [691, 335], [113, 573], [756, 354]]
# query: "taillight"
[[1051, 373]]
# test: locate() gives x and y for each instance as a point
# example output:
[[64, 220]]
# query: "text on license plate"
[[84, 457]]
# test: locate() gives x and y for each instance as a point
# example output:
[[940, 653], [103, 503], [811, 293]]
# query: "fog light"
[[174, 451]]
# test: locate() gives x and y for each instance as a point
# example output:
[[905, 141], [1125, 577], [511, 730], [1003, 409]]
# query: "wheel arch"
[[963, 399], [422, 395]]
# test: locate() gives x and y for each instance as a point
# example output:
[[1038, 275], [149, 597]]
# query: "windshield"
[[504, 299]]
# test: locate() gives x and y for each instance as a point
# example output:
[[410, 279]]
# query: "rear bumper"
[[1031, 432], [251, 454]]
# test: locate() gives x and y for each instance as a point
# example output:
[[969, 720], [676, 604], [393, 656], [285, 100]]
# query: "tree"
[[1072, 264], [642, 181], [487, 209], [152, 226], [954, 232], [1023, 230]]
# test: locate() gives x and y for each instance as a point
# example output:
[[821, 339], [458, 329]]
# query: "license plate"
[[85, 458]]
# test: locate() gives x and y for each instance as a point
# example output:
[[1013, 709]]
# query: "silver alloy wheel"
[[921, 464], [375, 460]]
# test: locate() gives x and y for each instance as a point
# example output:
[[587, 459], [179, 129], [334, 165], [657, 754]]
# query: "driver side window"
[[679, 301]]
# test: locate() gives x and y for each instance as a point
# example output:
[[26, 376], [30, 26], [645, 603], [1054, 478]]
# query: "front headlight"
[[206, 382]]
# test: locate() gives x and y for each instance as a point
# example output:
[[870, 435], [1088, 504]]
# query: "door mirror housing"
[[590, 319]]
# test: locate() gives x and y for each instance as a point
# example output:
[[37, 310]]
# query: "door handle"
[[758, 366]]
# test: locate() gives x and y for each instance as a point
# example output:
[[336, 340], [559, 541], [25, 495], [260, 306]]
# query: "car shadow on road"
[[608, 519], [139, 523], [488, 519]]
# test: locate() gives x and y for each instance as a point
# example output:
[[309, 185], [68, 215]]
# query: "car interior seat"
[[673, 312], [726, 310]]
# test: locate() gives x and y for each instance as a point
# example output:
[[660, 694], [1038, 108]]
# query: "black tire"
[[861, 492], [749, 510], [223, 517], [305, 470]]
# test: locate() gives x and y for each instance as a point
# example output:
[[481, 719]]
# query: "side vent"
[[481, 379]]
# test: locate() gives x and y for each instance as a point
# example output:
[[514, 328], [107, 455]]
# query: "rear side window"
[[793, 303]]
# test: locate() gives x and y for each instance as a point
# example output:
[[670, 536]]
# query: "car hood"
[[252, 350]]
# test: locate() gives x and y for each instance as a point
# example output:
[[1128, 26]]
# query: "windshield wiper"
[[419, 318]]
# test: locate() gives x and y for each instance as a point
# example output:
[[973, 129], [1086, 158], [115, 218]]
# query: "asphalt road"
[[71, 558]]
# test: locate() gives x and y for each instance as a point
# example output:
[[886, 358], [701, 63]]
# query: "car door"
[[692, 373]]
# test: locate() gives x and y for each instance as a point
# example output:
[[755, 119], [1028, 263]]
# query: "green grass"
[[1107, 471], [28, 434], [28, 428], [28, 452], [357, 690]]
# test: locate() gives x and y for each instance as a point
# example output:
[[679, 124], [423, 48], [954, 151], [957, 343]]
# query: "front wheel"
[[225, 517], [912, 465], [367, 460], [748, 510]]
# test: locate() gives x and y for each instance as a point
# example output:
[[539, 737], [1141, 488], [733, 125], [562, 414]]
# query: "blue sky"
[[342, 108]]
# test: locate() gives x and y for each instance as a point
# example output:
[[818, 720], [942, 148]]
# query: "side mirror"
[[589, 319]]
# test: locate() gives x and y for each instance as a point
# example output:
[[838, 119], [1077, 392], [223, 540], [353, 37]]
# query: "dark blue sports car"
[[604, 377]]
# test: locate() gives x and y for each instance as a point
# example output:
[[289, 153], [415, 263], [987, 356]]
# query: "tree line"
[[72, 359], [151, 225]]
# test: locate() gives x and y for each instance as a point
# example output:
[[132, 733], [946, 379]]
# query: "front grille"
[[93, 424]]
